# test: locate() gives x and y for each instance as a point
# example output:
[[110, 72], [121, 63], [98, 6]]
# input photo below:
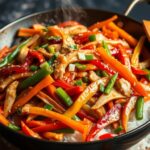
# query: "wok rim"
[[115, 139]]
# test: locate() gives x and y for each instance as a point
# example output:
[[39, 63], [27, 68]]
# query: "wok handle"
[[132, 5]]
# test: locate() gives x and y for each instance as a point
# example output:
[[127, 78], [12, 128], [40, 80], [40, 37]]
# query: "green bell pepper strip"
[[33, 68], [92, 38], [105, 46], [139, 108], [48, 106], [102, 88], [10, 57], [118, 130], [111, 84], [80, 66], [38, 76], [64, 96]]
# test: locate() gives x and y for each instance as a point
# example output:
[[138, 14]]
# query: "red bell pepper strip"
[[49, 127], [82, 114], [88, 47], [70, 89], [111, 116], [102, 66], [107, 136], [82, 38], [68, 23], [138, 71], [12, 70], [26, 130], [123, 56], [37, 55], [62, 84], [75, 91]]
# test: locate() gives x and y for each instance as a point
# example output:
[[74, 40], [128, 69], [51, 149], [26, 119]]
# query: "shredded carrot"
[[122, 33], [25, 98], [103, 23], [4, 51], [120, 101]]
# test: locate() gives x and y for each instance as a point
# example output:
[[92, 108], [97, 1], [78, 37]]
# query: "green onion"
[[89, 57], [80, 66], [30, 81], [105, 46], [33, 68], [85, 79], [118, 130], [73, 47], [67, 130], [78, 82], [76, 118], [13, 127], [64, 96], [104, 74], [110, 84], [48, 106], [139, 108], [92, 38], [98, 72], [51, 49], [52, 59], [44, 46], [101, 88]]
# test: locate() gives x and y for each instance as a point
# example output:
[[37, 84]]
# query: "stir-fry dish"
[[69, 82]]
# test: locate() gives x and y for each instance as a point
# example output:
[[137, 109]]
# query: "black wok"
[[8, 37]]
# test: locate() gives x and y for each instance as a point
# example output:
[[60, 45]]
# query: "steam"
[[69, 10]]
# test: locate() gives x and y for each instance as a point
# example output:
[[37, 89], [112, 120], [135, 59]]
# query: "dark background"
[[11, 10]]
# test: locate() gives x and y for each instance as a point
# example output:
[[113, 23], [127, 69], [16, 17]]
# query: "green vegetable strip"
[[101, 88], [92, 38], [105, 46], [104, 74], [38, 76], [13, 127], [33, 68], [80, 66], [110, 84], [78, 82], [10, 57], [89, 57], [76, 118], [48, 106], [139, 108], [64, 96], [66, 130], [51, 61], [118, 130]]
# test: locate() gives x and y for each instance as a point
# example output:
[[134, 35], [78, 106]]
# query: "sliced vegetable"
[[54, 136], [123, 71], [89, 57], [129, 106], [80, 66], [110, 84], [107, 136], [33, 68], [137, 51], [48, 106], [64, 96], [37, 77], [10, 57], [78, 82], [13, 127], [118, 130], [139, 108], [25, 98], [111, 116], [92, 38], [105, 46]]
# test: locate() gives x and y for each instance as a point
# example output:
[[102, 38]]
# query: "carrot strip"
[[4, 51], [38, 87], [26, 32], [123, 71], [35, 123], [50, 114], [130, 39], [103, 23], [3, 120]]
